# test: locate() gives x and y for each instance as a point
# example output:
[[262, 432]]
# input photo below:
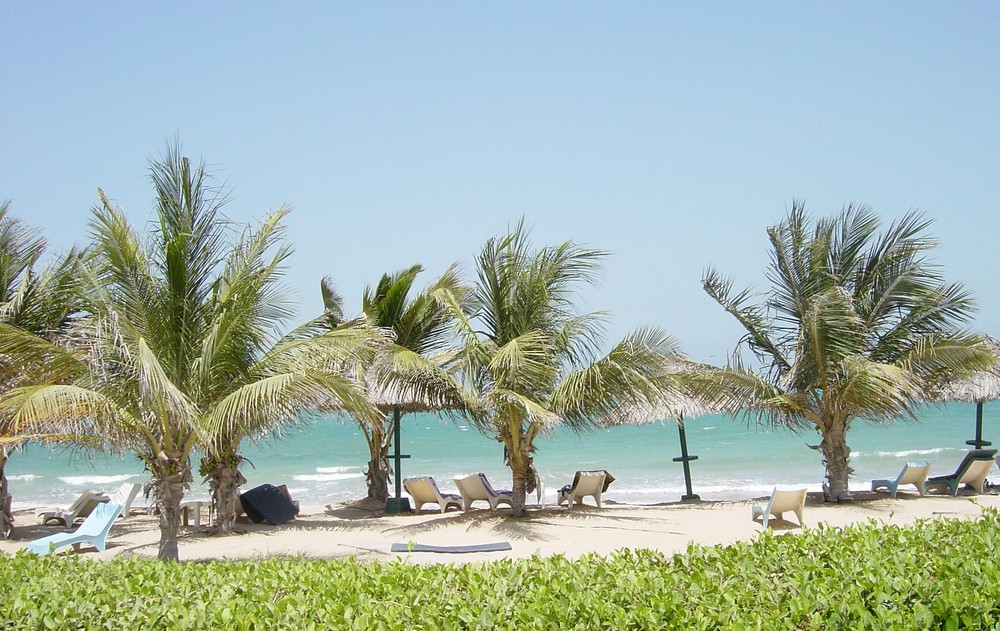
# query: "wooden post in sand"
[[685, 458]]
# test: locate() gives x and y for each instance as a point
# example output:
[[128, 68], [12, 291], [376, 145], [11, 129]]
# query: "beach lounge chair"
[[782, 501], [914, 473], [973, 469], [424, 490], [592, 483], [124, 495], [82, 507], [94, 530], [476, 486]]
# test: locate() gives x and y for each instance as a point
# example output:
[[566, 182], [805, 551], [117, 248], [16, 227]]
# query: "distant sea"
[[323, 462]]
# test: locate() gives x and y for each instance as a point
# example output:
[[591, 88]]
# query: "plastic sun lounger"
[[125, 495], [914, 473], [782, 501], [476, 486], [592, 483], [82, 507], [424, 490], [94, 530], [972, 471]]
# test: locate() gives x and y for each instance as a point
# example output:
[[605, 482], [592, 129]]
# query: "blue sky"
[[671, 134]]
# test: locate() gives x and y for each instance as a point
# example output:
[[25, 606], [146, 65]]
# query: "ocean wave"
[[334, 469], [326, 477], [902, 453], [78, 480], [24, 477]]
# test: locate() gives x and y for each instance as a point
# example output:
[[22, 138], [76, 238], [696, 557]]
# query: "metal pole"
[[398, 504], [685, 459]]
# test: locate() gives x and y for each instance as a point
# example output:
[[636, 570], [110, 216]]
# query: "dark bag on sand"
[[267, 503]]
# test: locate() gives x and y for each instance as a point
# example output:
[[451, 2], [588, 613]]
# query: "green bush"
[[939, 573]]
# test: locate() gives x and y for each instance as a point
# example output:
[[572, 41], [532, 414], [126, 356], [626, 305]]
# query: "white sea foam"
[[80, 480], [334, 469], [913, 452], [27, 477], [326, 477], [905, 453]]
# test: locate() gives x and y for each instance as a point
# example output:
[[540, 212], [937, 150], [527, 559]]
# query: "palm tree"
[[248, 306], [533, 361], [33, 303], [178, 346], [856, 324], [412, 373]]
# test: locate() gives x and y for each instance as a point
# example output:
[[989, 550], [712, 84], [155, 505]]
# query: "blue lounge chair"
[[94, 530], [972, 471], [914, 473]]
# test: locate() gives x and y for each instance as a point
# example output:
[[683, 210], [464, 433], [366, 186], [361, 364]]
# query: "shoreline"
[[358, 530]]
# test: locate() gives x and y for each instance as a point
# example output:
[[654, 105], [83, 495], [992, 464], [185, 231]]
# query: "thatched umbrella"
[[401, 397], [978, 388], [676, 404]]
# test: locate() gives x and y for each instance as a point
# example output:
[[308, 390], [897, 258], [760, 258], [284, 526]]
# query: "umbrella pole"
[[398, 504], [979, 443], [686, 459]]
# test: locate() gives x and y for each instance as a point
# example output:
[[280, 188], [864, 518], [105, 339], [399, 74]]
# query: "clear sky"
[[671, 134]]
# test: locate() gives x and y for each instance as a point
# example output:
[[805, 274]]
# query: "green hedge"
[[938, 573]]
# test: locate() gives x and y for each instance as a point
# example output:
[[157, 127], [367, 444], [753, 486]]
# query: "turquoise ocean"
[[323, 461]]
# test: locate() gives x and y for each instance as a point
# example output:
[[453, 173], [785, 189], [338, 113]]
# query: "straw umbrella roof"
[[676, 403], [980, 386]]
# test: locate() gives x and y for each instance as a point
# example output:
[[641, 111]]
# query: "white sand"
[[348, 530]]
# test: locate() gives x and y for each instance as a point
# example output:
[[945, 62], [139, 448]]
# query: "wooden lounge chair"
[[82, 507], [424, 490], [94, 530], [782, 501], [914, 473], [476, 486], [592, 483], [973, 469]]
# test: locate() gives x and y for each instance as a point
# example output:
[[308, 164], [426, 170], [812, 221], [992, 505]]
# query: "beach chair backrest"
[[913, 472], [589, 482], [783, 500], [471, 487], [486, 484], [422, 489], [100, 521], [977, 470], [125, 495]]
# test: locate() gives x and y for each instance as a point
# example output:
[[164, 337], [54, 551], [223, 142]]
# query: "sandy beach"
[[362, 531]]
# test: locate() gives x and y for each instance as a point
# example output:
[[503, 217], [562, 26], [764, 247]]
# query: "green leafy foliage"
[[937, 573]]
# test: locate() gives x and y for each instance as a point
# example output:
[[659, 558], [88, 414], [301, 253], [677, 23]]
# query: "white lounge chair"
[[782, 501], [82, 507], [124, 495], [592, 483], [424, 490], [914, 473], [476, 486], [94, 530], [973, 469]]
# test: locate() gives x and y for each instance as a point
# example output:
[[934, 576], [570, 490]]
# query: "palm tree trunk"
[[378, 473], [524, 476], [171, 478], [225, 483], [836, 458], [6, 517]]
